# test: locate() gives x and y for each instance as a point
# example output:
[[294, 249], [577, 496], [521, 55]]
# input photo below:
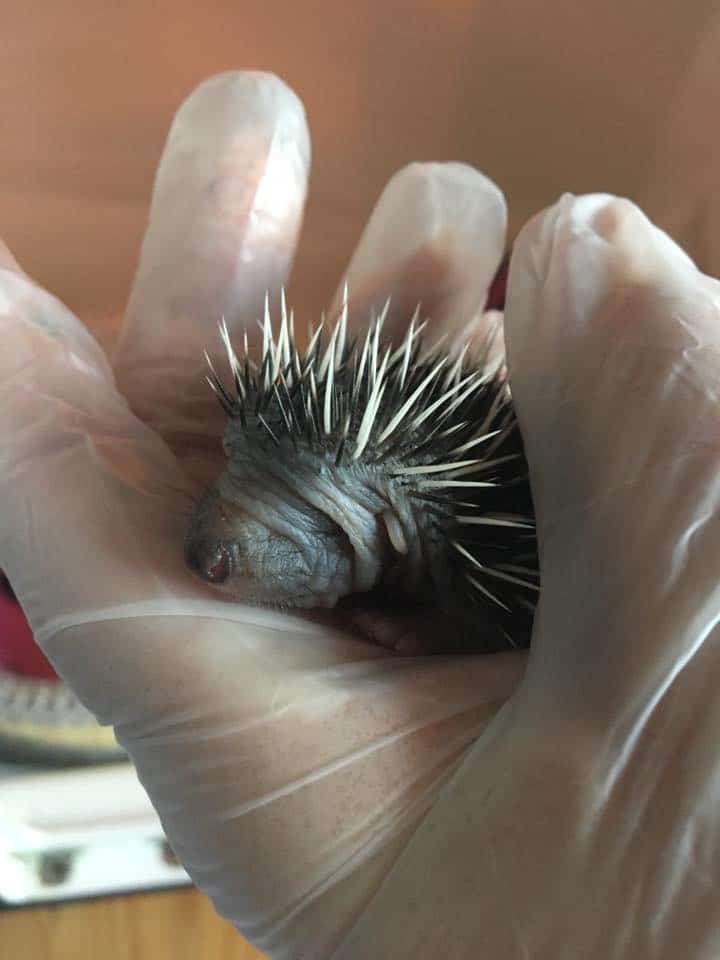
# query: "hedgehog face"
[[254, 550]]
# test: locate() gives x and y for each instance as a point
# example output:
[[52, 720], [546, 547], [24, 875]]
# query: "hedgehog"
[[384, 480]]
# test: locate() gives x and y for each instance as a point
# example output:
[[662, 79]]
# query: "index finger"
[[226, 210]]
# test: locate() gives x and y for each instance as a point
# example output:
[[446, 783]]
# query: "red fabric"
[[18, 651], [496, 293]]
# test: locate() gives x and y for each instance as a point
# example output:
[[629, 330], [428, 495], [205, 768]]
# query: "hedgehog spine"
[[439, 430]]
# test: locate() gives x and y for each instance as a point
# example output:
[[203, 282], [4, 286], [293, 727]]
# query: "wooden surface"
[[176, 925], [571, 98]]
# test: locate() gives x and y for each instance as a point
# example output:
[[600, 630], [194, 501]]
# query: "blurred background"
[[545, 96]]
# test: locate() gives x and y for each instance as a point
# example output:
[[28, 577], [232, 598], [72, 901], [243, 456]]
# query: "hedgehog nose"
[[211, 561]]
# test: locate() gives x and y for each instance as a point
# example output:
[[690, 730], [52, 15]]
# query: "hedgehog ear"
[[395, 532]]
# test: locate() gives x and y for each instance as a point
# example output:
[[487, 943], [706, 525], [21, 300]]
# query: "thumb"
[[613, 341]]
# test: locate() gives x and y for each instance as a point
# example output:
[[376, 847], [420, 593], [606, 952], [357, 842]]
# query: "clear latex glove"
[[584, 821], [289, 762], [335, 800]]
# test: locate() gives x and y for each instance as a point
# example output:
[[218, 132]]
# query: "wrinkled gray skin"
[[287, 527]]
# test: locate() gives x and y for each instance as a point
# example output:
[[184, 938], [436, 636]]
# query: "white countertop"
[[80, 832]]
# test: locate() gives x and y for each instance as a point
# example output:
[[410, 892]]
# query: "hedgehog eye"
[[220, 570], [212, 561]]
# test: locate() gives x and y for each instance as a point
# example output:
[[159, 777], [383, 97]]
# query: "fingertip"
[[224, 97], [436, 237], [8, 261], [226, 212], [647, 255], [572, 256], [612, 334]]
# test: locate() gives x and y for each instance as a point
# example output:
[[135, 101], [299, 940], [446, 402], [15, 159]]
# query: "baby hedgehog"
[[389, 480]]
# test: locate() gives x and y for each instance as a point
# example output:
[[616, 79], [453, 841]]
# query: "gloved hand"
[[333, 799]]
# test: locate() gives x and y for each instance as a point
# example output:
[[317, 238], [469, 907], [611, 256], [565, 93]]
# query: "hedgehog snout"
[[209, 549], [286, 558]]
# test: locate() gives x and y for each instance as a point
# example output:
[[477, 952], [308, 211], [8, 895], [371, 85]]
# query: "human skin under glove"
[[334, 799]]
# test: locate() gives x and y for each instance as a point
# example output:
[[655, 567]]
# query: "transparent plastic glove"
[[336, 800], [289, 762], [584, 821]]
